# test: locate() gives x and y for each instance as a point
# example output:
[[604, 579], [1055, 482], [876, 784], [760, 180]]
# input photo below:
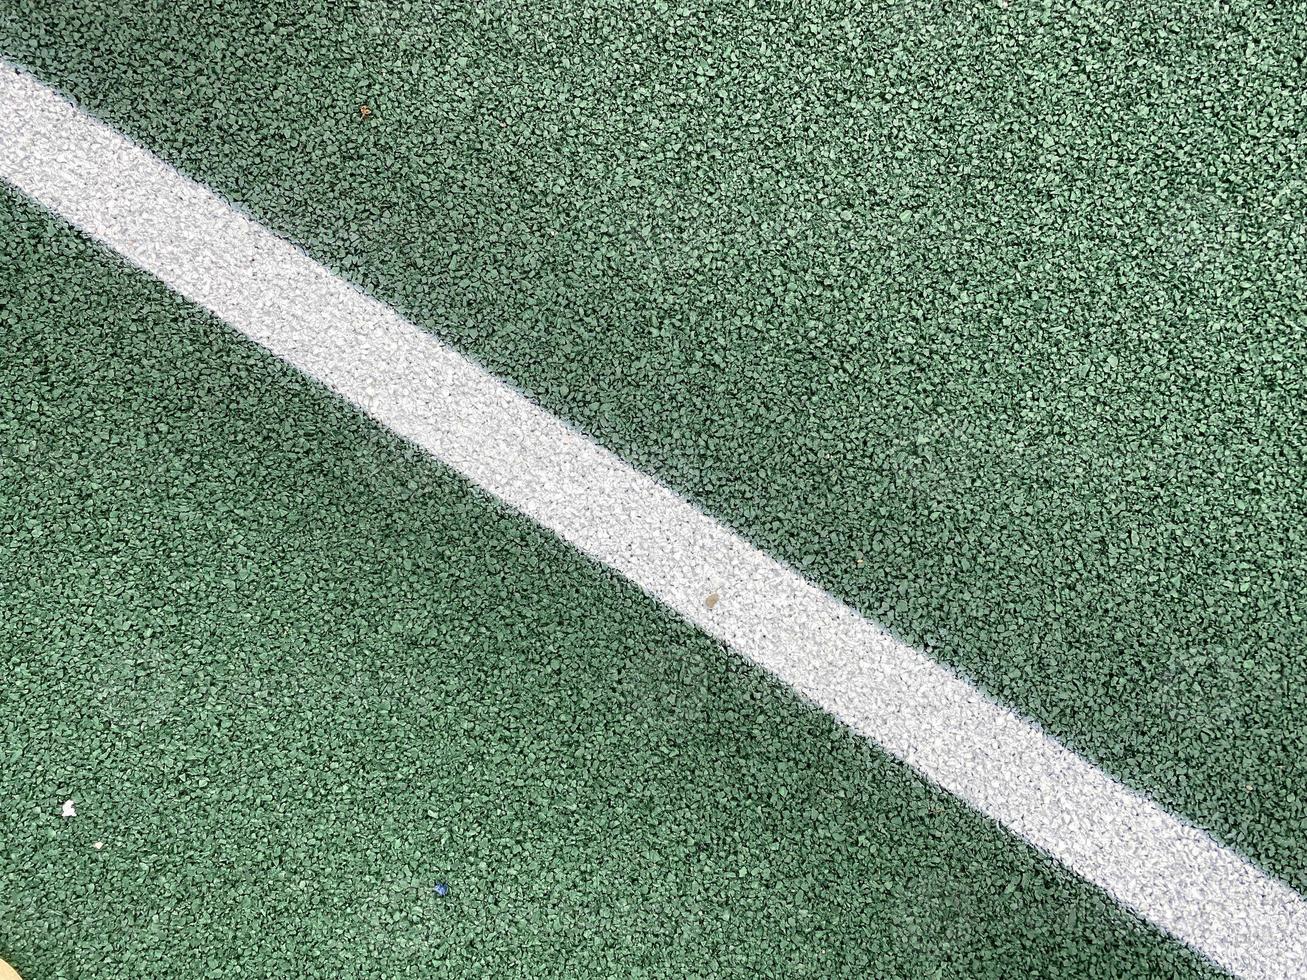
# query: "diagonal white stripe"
[[1170, 873]]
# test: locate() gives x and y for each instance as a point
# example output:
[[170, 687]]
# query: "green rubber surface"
[[294, 675], [987, 317]]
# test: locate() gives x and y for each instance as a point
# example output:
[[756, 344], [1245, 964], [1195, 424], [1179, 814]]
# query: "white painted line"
[[1170, 873]]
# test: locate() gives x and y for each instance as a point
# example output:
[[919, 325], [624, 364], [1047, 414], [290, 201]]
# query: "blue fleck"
[[442, 890]]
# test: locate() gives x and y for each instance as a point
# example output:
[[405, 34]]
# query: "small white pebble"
[[69, 810], [98, 845]]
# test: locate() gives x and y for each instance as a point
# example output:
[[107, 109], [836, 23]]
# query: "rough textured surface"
[[987, 317], [294, 677], [1176, 877]]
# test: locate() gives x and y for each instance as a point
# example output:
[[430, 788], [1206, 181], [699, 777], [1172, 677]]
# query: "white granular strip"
[[1170, 873]]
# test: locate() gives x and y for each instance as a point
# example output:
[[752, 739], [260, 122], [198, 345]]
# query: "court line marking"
[[1167, 871]]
